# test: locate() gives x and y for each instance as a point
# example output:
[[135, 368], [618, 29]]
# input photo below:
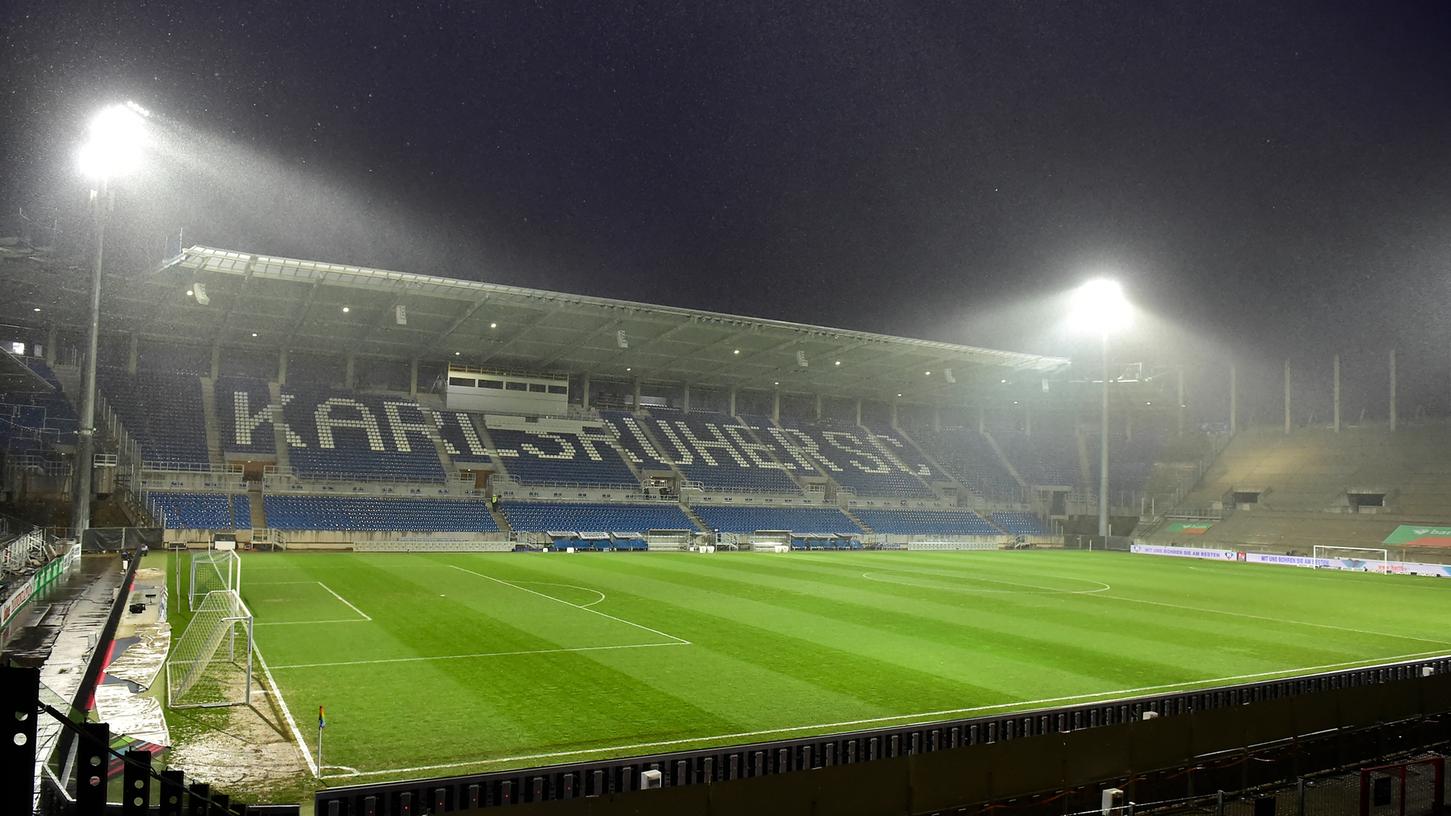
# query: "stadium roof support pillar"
[[131, 354], [348, 372], [1287, 396], [818, 407], [50, 338], [1393, 389], [981, 419], [282, 367], [584, 390], [685, 397], [894, 412], [732, 397], [1027, 420], [637, 392], [859, 411], [1233, 400], [1335, 407], [937, 419], [216, 360], [776, 405], [413, 377], [1181, 400]]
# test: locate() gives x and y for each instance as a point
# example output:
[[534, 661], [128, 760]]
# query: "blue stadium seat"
[[716, 450], [850, 456], [554, 457], [1019, 523], [968, 457], [540, 517], [1042, 457], [742, 519], [353, 435], [162, 411], [926, 522], [244, 414], [199, 511], [295, 512]]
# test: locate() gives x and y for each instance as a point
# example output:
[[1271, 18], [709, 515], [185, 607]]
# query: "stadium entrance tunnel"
[[1245, 498], [1365, 501]]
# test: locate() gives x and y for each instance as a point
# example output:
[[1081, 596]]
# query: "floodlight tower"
[[1099, 306], [112, 150]]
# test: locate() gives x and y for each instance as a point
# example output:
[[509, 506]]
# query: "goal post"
[[1362, 559], [211, 663], [211, 571]]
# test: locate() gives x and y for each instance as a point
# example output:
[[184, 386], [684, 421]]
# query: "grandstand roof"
[[265, 302]]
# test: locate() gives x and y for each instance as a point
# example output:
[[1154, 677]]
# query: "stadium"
[[518, 547]]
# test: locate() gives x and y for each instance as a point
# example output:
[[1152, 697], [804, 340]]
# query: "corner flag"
[[321, 720]]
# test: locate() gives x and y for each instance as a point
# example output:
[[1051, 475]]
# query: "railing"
[[1324, 701]]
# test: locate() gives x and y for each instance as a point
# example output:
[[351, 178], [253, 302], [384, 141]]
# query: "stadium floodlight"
[[113, 148], [114, 141], [1099, 306]]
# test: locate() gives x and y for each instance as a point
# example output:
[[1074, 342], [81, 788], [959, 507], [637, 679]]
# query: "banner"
[[1419, 535], [1189, 528], [1185, 552]]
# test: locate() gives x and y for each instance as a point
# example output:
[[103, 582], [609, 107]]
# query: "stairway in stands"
[[279, 435], [857, 521], [210, 420], [694, 519]]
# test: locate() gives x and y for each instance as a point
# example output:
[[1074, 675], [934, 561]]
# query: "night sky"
[[1274, 178]]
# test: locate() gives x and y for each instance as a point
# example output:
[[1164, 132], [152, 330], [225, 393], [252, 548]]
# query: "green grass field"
[[451, 663]]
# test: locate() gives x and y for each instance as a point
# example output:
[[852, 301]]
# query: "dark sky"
[[1275, 177]]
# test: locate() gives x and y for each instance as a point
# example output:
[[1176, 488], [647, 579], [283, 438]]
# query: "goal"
[[211, 663], [1360, 559], [211, 571], [1408, 788]]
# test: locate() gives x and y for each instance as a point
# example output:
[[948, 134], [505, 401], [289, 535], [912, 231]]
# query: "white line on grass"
[[286, 713], [934, 715], [571, 586], [344, 600], [682, 641], [474, 655], [1041, 590], [318, 622], [1274, 619]]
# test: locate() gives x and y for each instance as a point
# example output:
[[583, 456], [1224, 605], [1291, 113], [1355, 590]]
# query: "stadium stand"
[[848, 456], [37, 422], [632, 439], [926, 522], [1042, 457], [245, 413], [739, 519], [556, 456], [969, 457], [461, 437], [539, 517], [163, 412], [200, 511], [351, 435], [372, 513], [1130, 459], [716, 450], [1018, 523]]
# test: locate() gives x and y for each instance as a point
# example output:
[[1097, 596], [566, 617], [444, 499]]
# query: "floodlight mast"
[[112, 150], [1100, 306]]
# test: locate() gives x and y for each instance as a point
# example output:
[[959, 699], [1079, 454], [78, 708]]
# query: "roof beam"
[[458, 322], [302, 315], [520, 335], [601, 330]]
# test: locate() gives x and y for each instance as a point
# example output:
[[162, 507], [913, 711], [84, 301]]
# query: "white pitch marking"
[[1274, 620], [286, 713], [872, 720], [344, 600], [571, 586], [680, 640], [299, 623], [476, 655], [1042, 590]]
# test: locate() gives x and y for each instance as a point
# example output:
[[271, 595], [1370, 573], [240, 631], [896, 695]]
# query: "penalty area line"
[[474, 655], [286, 713], [1097, 696], [344, 600], [682, 641]]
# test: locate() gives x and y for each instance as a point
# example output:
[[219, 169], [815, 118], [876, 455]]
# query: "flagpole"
[[321, 724]]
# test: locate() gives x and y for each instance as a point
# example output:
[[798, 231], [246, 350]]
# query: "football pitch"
[[433, 664]]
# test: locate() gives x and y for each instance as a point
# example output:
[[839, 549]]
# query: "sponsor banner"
[[1185, 552], [1347, 564], [1189, 528], [1419, 535]]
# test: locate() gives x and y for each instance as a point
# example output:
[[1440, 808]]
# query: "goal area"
[[1361, 559], [211, 571], [211, 663]]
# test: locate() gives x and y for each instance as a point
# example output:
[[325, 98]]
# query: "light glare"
[[113, 147], [1099, 307]]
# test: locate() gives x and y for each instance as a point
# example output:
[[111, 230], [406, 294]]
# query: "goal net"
[[211, 663], [1360, 559], [211, 571]]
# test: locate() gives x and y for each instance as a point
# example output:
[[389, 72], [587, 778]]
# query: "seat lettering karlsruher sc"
[[399, 425]]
